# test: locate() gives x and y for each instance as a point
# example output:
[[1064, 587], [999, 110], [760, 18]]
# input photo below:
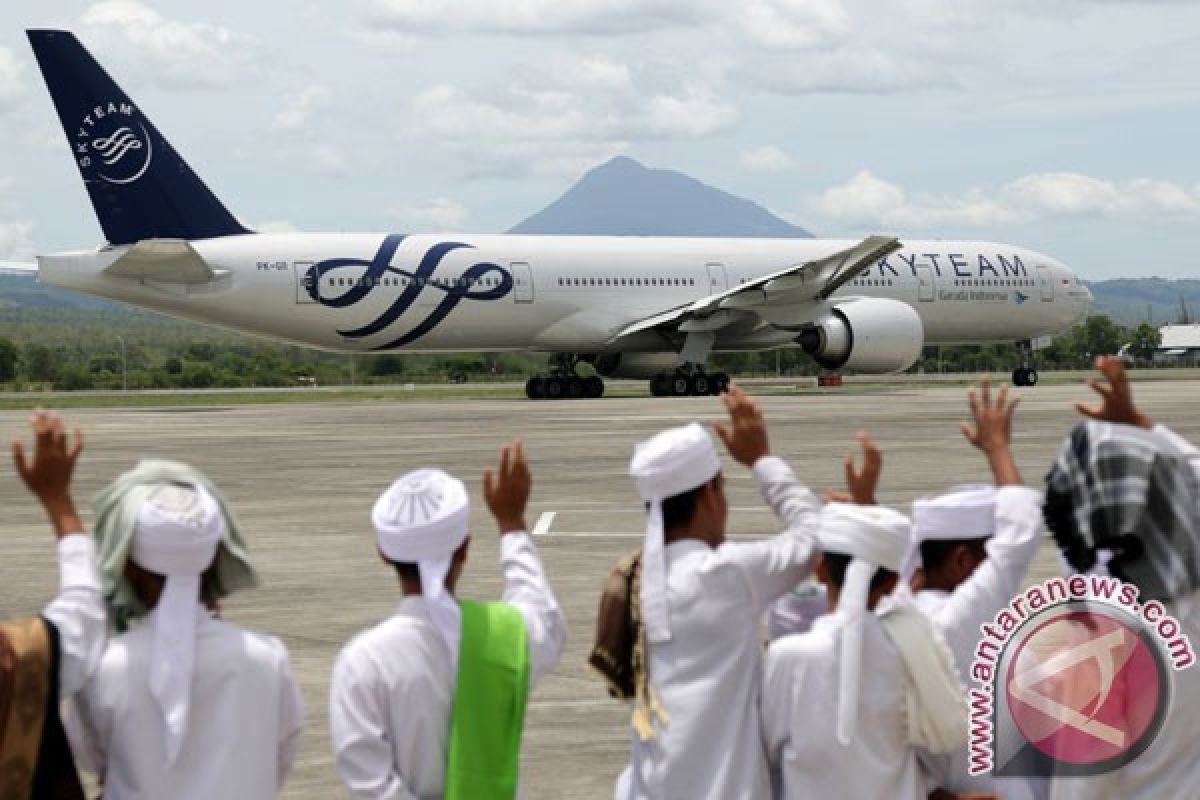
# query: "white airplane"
[[637, 307]]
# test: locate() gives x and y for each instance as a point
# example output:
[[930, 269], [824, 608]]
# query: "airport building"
[[1180, 345]]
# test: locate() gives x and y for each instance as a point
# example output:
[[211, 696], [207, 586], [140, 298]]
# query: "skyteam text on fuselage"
[[644, 307]]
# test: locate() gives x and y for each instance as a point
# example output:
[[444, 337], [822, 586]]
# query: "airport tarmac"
[[302, 479]]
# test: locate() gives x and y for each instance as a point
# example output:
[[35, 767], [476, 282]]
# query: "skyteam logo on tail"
[[112, 144]]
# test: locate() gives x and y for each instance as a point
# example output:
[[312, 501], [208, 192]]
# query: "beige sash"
[[24, 686]]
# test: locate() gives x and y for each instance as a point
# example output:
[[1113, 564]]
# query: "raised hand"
[[862, 483], [745, 436], [506, 489], [1116, 397], [48, 472], [992, 431]]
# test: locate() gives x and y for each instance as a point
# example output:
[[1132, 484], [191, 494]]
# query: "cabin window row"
[[618, 282], [444, 283], [1002, 282]]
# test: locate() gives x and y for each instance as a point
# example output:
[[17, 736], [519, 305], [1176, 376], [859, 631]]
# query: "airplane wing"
[[18, 268], [810, 282]]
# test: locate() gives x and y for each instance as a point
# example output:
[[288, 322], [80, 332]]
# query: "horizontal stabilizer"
[[18, 268], [164, 261]]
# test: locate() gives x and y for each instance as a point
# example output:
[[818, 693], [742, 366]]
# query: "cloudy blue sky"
[[1070, 126]]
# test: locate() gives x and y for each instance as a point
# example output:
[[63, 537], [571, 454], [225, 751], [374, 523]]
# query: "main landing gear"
[[1026, 374], [684, 382], [563, 383]]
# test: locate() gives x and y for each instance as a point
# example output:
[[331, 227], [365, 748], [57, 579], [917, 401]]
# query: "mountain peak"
[[623, 197]]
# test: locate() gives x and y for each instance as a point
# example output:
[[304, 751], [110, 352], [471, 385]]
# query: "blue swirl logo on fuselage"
[[468, 286]]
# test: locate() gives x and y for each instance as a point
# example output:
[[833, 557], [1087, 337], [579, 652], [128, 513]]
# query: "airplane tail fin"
[[139, 186]]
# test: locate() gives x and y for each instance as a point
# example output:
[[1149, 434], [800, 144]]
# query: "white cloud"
[[569, 108], [855, 71], [440, 212], [603, 17], [793, 24], [13, 86], [868, 201], [298, 107], [767, 159], [178, 55], [16, 240]]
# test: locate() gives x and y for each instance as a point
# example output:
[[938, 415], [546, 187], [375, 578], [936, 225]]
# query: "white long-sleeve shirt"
[[1169, 769], [800, 706], [708, 675], [77, 613], [960, 613], [393, 685], [243, 728]]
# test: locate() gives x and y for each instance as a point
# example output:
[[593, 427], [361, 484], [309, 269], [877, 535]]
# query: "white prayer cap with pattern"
[[874, 537], [964, 512], [177, 533], [665, 465], [423, 518]]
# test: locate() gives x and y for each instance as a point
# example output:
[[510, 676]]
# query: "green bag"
[[490, 694]]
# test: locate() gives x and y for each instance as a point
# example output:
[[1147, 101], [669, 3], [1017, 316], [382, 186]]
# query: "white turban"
[[176, 535], [422, 518], [874, 537], [668, 464], [964, 512]]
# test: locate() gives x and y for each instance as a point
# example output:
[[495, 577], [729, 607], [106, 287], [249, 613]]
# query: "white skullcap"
[[964, 512], [422, 518], [668, 464], [874, 537], [177, 533]]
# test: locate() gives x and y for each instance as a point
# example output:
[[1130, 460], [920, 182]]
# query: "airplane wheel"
[[554, 388], [1031, 377], [660, 385], [593, 387], [574, 387], [720, 383], [535, 388], [681, 385], [700, 385]]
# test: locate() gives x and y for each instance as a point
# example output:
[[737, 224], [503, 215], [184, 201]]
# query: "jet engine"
[[635, 365], [872, 335]]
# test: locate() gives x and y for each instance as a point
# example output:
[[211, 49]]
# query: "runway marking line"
[[542, 527]]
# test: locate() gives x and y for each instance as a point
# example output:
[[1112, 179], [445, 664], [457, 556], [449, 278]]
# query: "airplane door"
[[1046, 282], [924, 283], [303, 282], [717, 281], [522, 277]]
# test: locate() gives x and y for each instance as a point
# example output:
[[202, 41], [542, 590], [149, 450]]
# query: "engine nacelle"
[[635, 365], [873, 335]]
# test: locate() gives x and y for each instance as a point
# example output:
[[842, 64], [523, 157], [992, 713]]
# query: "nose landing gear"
[[1026, 374]]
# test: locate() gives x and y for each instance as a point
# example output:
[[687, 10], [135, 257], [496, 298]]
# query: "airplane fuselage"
[[451, 292]]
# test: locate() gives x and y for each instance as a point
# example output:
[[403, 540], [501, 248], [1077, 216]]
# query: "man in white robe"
[[702, 603], [185, 705], [846, 705], [393, 686], [1169, 769], [975, 545]]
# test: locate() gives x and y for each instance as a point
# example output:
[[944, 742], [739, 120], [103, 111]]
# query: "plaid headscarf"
[[1126, 490], [117, 507]]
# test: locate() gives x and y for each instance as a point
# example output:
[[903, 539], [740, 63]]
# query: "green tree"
[[8, 361], [1098, 335], [41, 363], [1145, 340]]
